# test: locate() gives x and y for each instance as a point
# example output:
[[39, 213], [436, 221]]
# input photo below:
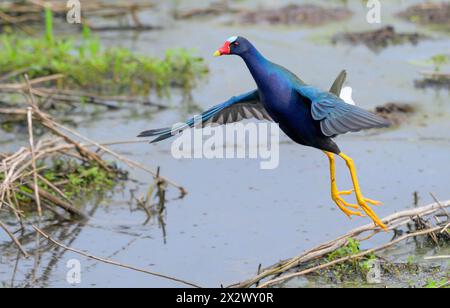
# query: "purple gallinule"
[[308, 115]]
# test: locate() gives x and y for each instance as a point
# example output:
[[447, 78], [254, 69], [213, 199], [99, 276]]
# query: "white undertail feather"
[[346, 95]]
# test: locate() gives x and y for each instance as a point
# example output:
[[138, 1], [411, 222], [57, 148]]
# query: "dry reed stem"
[[15, 21], [14, 239], [31, 11], [18, 166], [393, 221], [437, 258], [111, 262], [33, 161], [349, 258], [56, 129], [14, 87]]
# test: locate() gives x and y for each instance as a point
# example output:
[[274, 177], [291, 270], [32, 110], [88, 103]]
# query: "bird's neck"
[[257, 64]]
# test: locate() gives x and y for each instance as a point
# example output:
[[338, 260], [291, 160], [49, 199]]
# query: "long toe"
[[337, 196], [372, 215], [342, 204], [346, 192], [373, 202]]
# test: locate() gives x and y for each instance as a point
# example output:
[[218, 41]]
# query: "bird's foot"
[[362, 202], [344, 205], [373, 202], [349, 192]]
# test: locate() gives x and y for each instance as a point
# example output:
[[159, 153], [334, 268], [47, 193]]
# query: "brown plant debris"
[[60, 99], [396, 113], [429, 222], [47, 175], [214, 9], [20, 13], [305, 14], [428, 13], [434, 80], [378, 39]]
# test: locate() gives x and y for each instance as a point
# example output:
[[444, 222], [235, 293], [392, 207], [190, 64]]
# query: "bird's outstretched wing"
[[237, 108], [335, 116]]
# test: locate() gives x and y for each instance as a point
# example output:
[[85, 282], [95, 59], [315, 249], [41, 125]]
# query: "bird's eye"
[[236, 43]]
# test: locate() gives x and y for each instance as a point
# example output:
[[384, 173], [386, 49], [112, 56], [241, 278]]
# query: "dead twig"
[[437, 258], [26, 86], [349, 258], [23, 172], [127, 161], [393, 222], [111, 262], [33, 156], [14, 239]]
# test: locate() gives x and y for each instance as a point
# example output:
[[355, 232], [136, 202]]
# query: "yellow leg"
[[359, 196], [336, 194]]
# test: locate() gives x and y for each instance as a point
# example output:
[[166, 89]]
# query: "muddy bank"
[[433, 80], [292, 14], [378, 39], [214, 9], [307, 14], [23, 15], [428, 13], [343, 260], [396, 113], [398, 274], [394, 274]]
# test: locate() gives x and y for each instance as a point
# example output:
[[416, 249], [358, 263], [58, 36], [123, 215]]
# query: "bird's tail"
[[338, 83]]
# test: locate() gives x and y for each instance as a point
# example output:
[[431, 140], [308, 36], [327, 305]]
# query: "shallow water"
[[237, 216]]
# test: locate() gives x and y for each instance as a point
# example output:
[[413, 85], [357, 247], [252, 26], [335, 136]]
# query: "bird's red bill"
[[224, 50]]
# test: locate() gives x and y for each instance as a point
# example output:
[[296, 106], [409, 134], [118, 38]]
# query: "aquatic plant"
[[434, 284], [89, 66], [353, 267], [440, 60], [69, 177], [439, 78], [49, 175], [342, 259]]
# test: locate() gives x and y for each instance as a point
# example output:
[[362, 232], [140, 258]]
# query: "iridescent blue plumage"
[[308, 115]]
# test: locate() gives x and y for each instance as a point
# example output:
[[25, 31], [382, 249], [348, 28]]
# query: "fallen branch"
[[93, 7], [50, 92], [33, 155], [437, 258], [14, 87], [29, 11], [349, 258], [14, 239], [21, 173], [7, 19], [67, 207], [127, 161], [364, 233]]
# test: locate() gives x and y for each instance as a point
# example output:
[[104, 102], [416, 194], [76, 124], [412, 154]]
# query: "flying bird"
[[308, 115]]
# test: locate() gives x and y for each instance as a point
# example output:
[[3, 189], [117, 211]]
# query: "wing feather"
[[237, 108], [337, 117]]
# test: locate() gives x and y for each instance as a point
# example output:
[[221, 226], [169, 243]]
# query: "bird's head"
[[235, 45]]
